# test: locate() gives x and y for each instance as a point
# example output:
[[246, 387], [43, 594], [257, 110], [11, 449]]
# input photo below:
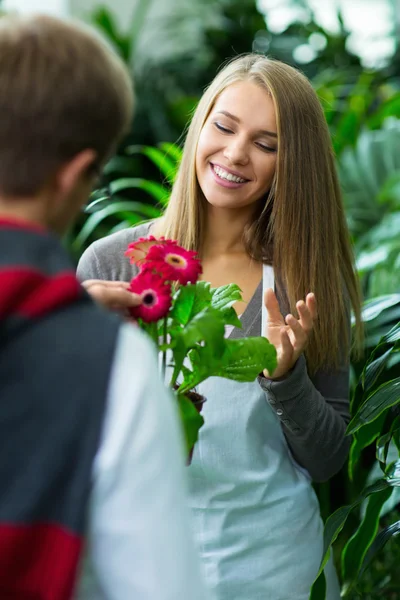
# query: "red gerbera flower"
[[137, 251], [173, 262], [155, 294]]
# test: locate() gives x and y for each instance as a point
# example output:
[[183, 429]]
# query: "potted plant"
[[186, 318]]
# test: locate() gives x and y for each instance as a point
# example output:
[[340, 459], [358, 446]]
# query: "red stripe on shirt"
[[38, 562], [29, 293], [18, 223]]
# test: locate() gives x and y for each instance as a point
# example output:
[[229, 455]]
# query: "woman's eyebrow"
[[234, 118]]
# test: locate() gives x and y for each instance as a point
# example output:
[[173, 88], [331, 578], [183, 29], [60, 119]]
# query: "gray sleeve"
[[105, 259], [314, 414]]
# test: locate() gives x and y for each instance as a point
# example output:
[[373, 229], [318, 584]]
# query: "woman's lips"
[[227, 183]]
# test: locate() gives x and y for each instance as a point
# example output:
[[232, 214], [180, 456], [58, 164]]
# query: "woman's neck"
[[224, 231]]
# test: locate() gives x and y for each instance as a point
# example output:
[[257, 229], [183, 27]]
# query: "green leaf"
[[115, 209], [393, 474], [393, 335], [208, 327], [190, 300], [246, 358], [167, 166], [383, 442], [105, 203], [191, 419], [243, 360], [363, 438], [374, 368], [381, 539], [373, 308], [154, 189], [230, 317], [318, 590], [387, 395], [205, 327], [336, 521], [225, 296], [172, 150], [356, 548]]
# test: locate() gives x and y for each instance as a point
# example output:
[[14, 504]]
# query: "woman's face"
[[237, 148]]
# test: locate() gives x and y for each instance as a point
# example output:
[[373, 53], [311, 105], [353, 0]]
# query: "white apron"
[[256, 518]]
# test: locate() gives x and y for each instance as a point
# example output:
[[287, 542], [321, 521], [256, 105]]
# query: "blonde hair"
[[301, 224], [62, 90]]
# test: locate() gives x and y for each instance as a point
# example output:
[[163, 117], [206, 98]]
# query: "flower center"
[[175, 260], [149, 298]]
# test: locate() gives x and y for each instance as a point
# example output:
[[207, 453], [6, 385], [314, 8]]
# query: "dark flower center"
[[149, 299]]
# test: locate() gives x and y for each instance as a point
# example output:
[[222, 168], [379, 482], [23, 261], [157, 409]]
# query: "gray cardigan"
[[313, 411]]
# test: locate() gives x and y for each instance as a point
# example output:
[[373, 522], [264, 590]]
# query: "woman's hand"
[[113, 295], [289, 335]]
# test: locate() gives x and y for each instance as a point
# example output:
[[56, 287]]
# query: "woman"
[[257, 195]]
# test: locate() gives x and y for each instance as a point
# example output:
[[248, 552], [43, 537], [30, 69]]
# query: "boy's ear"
[[75, 171]]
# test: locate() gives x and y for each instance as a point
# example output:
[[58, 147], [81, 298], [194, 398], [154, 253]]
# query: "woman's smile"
[[228, 178]]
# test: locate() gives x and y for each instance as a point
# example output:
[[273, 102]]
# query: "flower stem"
[[164, 356]]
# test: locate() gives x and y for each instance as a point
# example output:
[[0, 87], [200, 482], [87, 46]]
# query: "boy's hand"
[[113, 295]]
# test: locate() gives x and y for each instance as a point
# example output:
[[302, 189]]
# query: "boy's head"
[[65, 101]]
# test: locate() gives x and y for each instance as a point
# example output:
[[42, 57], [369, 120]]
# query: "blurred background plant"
[[358, 81]]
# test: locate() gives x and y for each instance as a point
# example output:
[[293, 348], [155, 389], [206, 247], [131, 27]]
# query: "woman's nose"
[[236, 151]]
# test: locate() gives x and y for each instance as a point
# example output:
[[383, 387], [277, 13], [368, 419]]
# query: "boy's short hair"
[[62, 90]]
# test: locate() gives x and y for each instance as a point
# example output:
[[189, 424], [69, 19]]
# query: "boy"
[[90, 448]]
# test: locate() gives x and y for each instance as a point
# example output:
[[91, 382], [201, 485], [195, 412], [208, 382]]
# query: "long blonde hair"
[[302, 220]]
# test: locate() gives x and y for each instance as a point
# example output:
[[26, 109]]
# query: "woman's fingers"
[[272, 306], [311, 303], [300, 335]]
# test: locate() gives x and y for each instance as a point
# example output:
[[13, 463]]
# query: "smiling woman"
[[257, 196]]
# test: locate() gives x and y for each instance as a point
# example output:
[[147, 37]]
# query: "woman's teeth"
[[228, 176]]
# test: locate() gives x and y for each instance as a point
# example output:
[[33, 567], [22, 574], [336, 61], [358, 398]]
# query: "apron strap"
[[268, 282]]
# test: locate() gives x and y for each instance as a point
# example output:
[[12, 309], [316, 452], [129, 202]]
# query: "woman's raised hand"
[[289, 335]]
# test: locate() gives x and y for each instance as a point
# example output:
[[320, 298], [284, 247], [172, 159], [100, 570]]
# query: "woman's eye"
[[222, 128], [266, 148]]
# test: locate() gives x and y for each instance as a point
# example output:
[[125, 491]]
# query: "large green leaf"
[[393, 473], [336, 521], [190, 300], [318, 589], [154, 189], [191, 419], [356, 548], [225, 296], [387, 395], [373, 308], [381, 539], [374, 368], [167, 166], [393, 335], [172, 150], [206, 327], [392, 427], [245, 359], [125, 210], [363, 438]]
